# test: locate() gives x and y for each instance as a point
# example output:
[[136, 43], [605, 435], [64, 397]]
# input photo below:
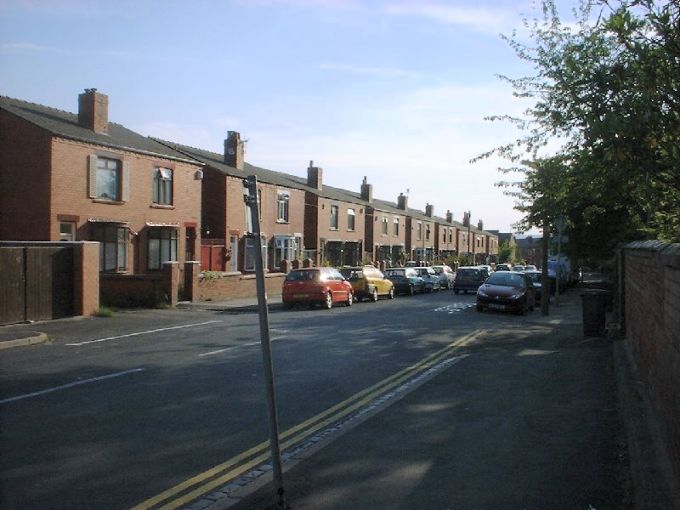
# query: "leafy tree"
[[609, 92], [506, 253]]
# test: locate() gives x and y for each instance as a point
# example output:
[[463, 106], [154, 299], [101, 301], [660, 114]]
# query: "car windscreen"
[[468, 272], [351, 274], [506, 279], [301, 276]]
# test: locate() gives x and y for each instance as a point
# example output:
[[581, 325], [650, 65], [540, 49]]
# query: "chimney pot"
[[366, 190], [314, 176], [402, 202], [234, 150], [429, 210]]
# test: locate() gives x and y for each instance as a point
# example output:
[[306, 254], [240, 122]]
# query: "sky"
[[396, 91]]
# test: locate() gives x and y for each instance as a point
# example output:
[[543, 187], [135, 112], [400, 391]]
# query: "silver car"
[[446, 276], [430, 278]]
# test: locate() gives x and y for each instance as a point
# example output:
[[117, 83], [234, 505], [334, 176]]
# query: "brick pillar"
[[308, 263], [297, 264], [191, 271], [86, 278], [171, 281], [285, 266]]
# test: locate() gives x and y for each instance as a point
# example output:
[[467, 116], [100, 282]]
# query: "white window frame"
[[351, 220], [335, 217], [282, 206], [68, 233], [163, 184], [249, 255]]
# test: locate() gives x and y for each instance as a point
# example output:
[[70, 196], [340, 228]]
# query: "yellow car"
[[368, 282]]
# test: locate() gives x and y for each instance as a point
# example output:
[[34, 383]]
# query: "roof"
[[65, 125]]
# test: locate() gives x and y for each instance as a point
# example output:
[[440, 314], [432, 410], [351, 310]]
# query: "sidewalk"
[[530, 419]]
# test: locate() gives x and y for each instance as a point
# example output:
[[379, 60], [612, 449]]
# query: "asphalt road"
[[116, 410]]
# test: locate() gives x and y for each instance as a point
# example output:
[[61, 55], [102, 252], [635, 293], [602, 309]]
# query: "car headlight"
[[516, 296], [480, 292]]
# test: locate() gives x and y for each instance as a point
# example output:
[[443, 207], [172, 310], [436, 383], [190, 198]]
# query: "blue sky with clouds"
[[393, 90]]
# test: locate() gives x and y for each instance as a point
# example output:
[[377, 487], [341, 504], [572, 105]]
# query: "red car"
[[507, 291], [316, 285]]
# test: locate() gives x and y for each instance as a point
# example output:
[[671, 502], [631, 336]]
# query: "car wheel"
[[455, 291], [391, 294], [288, 305], [480, 308], [411, 290], [374, 296], [328, 302], [350, 299]]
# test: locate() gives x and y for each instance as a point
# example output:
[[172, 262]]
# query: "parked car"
[[446, 276], [468, 278], [503, 267], [535, 277], [487, 268], [518, 267], [510, 291], [430, 278], [530, 267], [368, 282], [405, 280], [317, 285]]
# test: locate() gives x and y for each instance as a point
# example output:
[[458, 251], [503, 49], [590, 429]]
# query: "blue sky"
[[393, 90]]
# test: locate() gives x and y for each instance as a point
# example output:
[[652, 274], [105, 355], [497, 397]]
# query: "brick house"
[[385, 229], [446, 236], [224, 218], [420, 231], [67, 177]]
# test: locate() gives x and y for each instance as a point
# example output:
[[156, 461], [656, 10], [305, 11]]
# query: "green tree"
[[609, 92]]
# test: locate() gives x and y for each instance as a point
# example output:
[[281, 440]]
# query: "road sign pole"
[[250, 197]]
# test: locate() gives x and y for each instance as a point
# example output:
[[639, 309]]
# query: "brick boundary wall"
[[224, 286], [649, 276]]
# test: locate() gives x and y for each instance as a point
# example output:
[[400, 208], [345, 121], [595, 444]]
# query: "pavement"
[[583, 435]]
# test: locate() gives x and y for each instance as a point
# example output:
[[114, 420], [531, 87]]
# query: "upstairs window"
[[419, 230], [395, 227], [109, 179], [383, 225], [282, 200], [351, 219], [334, 217], [162, 186]]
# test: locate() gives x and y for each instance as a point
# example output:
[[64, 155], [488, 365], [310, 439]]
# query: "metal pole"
[[559, 223], [250, 183]]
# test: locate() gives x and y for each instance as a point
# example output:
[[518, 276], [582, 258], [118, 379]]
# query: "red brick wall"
[[24, 180], [341, 233], [651, 282], [235, 286], [86, 278], [70, 197]]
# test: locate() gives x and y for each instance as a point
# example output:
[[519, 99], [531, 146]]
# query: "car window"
[[506, 279], [299, 276]]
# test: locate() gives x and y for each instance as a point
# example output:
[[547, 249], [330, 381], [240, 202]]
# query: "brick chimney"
[[466, 219], [234, 150], [480, 225], [314, 176], [402, 202], [429, 210], [366, 191], [93, 111], [449, 216]]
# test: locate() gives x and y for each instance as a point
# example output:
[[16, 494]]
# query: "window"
[[450, 235], [395, 225], [419, 230], [427, 232], [162, 247], [67, 231], [285, 248], [162, 186], [108, 179], [282, 206], [334, 217], [351, 219], [249, 254], [383, 225], [113, 249]]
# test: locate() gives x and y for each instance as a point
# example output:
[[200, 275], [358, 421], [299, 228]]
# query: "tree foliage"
[[607, 90]]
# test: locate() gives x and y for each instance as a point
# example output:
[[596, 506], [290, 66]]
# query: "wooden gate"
[[37, 283]]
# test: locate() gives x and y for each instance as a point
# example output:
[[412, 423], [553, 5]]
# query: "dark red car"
[[316, 285], [507, 291]]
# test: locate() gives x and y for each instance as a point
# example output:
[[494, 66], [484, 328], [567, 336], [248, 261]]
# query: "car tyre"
[[480, 308], [391, 294], [411, 290], [328, 302], [455, 291], [350, 299], [288, 305], [374, 295]]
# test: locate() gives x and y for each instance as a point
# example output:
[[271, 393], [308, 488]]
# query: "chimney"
[[366, 191], [234, 150], [314, 176], [449, 216], [466, 219], [480, 225], [93, 111], [429, 210], [402, 202]]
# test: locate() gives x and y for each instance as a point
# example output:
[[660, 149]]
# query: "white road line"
[[70, 385], [248, 344], [141, 333]]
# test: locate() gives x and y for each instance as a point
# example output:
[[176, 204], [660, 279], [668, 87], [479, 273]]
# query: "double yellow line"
[[217, 476]]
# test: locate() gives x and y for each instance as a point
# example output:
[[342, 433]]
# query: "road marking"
[[203, 483], [150, 331], [247, 344], [71, 385]]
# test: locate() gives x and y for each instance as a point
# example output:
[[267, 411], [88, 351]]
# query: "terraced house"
[[68, 177]]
